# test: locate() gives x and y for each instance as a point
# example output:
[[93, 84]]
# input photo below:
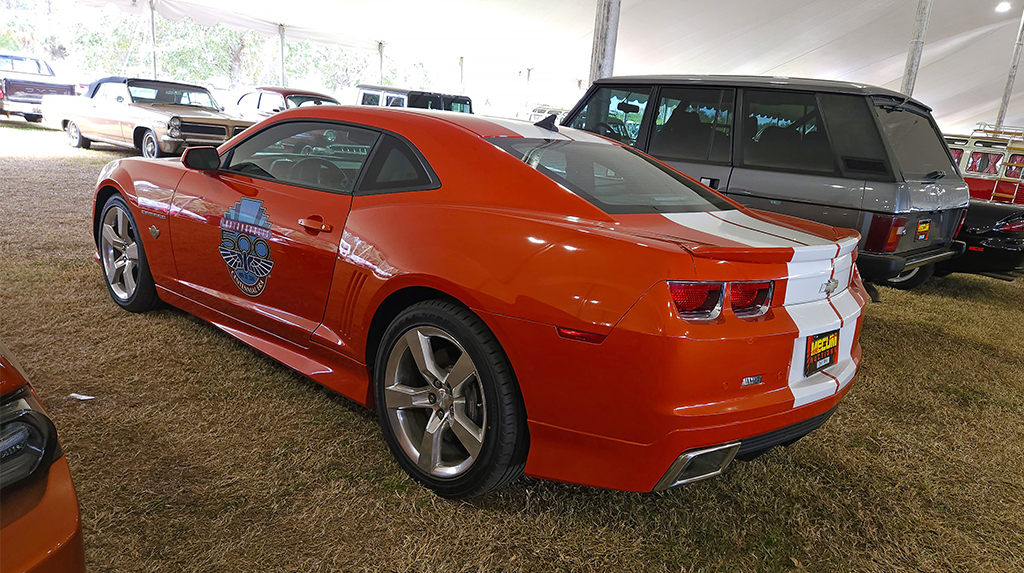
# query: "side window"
[[693, 124], [248, 101], [109, 92], [784, 130], [394, 166], [615, 113], [396, 101], [311, 154], [986, 163], [1013, 165], [855, 137], [270, 102], [958, 154], [369, 98]]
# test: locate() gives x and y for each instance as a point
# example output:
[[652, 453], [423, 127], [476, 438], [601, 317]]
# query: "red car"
[[40, 525], [506, 295]]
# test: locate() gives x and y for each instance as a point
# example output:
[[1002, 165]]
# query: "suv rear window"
[[915, 142], [614, 178]]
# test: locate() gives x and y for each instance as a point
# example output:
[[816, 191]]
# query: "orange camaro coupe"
[[40, 528], [510, 297]]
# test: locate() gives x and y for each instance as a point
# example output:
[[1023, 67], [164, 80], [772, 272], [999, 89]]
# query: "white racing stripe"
[[817, 318], [741, 218], [708, 223], [527, 130]]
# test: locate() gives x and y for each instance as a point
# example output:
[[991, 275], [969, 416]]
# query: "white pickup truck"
[[24, 80], [156, 117]]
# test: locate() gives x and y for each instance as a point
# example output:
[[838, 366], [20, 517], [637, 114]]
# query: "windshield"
[[171, 94], [299, 100], [917, 145], [616, 179]]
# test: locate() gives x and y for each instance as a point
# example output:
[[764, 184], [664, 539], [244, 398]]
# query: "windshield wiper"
[[935, 175]]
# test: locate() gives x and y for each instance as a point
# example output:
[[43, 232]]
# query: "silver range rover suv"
[[844, 154]]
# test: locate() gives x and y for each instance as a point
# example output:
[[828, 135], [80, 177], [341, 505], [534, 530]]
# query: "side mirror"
[[626, 107], [201, 158]]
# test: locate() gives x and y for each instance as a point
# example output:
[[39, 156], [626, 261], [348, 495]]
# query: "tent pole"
[[152, 31], [380, 53], [280, 32], [1012, 75], [924, 12], [606, 30]]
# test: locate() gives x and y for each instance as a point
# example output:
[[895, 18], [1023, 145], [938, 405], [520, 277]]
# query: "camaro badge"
[[829, 286], [244, 234]]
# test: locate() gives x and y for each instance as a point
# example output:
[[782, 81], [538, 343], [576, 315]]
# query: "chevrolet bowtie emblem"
[[829, 286]]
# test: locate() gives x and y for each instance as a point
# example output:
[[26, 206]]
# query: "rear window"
[[917, 145], [614, 178]]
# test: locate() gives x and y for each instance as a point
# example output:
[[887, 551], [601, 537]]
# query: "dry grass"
[[199, 454]]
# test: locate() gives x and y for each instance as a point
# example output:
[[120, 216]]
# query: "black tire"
[[75, 136], [33, 118], [151, 145], [142, 296], [490, 394], [910, 279]]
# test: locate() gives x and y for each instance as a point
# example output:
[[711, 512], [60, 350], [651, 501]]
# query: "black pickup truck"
[[24, 80]]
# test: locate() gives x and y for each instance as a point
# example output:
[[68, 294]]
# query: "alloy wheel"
[[120, 253], [435, 402]]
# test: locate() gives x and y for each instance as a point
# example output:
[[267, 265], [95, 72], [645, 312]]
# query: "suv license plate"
[[924, 228], [822, 351]]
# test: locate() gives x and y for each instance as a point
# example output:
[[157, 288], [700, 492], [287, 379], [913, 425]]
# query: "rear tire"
[[448, 402], [911, 279], [75, 136]]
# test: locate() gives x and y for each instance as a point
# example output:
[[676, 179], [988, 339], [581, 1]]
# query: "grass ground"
[[199, 454]]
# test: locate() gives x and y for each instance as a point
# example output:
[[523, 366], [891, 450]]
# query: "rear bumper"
[[618, 414], [20, 108], [876, 267]]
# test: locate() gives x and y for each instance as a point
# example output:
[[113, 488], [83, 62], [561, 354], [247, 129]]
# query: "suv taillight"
[[885, 233], [960, 225], [697, 300], [749, 299]]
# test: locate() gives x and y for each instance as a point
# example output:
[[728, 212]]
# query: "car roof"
[[769, 82], [291, 91], [480, 126], [123, 80]]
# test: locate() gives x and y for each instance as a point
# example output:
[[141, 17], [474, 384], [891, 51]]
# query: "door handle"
[[710, 182], [316, 223]]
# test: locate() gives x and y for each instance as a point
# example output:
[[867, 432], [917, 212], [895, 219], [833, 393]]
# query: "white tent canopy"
[[963, 70]]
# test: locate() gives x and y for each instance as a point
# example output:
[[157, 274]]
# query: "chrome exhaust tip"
[[696, 465]]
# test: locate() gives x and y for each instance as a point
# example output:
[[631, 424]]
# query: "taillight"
[[581, 335], [697, 301], [960, 225], [750, 298], [885, 233], [1011, 226]]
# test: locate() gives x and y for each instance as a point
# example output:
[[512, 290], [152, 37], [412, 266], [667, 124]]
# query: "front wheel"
[[125, 269], [910, 279], [75, 136], [448, 402], [150, 146]]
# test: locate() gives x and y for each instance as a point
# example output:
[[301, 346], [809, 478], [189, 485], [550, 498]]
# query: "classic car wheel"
[[150, 145], [75, 136], [910, 279], [125, 269], [448, 402]]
